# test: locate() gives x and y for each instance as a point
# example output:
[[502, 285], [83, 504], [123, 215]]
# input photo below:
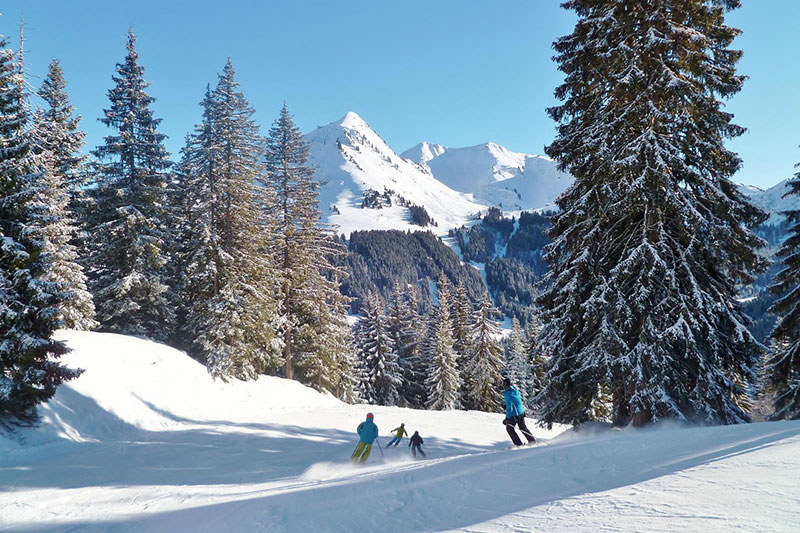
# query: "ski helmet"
[[506, 382], [370, 415]]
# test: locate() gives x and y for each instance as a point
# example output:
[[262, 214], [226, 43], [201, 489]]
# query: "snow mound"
[[132, 383]]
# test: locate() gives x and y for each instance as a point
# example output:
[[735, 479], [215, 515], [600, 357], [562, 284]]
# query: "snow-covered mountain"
[[352, 160], [772, 200], [493, 174], [367, 185]]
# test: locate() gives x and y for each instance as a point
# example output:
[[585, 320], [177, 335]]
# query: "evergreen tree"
[[382, 373], [56, 227], [782, 369], [59, 130], [29, 301], [57, 142], [443, 382], [516, 367], [405, 330], [228, 288], [462, 322], [536, 361], [129, 236], [485, 361], [307, 253], [651, 239]]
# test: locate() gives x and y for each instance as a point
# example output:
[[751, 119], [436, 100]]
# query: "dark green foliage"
[[379, 259], [420, 216], [512, 276], [512, 283]]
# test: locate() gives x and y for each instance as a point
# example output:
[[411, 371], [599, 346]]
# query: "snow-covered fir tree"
[[652, 238], [57, 141], [345, 370], [128, 248], [782, 368], [406, 332], [382, 376], [325, 363], [29, 301], [442, 382], [536, 361], [516, 364], [228, 286], [60, 131], [307, 253], [462, 322], [485, 360]]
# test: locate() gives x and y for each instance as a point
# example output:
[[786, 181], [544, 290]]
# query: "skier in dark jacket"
[[416, 444], [515, 414]]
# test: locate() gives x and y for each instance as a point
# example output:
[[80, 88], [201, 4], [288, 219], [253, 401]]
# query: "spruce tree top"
[[137, 145]]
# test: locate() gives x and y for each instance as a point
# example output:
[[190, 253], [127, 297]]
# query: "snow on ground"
[[144, 440]]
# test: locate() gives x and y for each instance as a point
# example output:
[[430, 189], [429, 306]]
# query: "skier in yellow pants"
[[367, 432]]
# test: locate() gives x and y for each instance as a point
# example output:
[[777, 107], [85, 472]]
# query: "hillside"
[[144, 440]]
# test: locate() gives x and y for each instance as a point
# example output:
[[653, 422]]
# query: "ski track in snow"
[[144, 440]]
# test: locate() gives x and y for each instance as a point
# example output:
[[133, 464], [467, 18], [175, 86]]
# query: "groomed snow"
[[144, 440]]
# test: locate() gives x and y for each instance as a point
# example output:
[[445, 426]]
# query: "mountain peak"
[[353, 120]]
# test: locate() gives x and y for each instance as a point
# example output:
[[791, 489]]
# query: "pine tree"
[[516, 365], [29, 302], [405, 330], [485, 360], [443, 382], [307, 253], [651, 239], [536, 361], [782, 368], [228, 288], [129, 237], [57, 142], [382, 373], [60, 133], [345, 369], [462, 322]]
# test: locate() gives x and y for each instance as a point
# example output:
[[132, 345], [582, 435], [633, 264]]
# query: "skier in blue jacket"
[[367, 432], [515, 414]]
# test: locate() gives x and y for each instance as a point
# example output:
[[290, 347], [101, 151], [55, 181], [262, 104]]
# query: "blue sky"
[[455, 72]]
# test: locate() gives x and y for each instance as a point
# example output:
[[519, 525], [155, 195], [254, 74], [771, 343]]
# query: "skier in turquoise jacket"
[[515, 414], [367, 432]]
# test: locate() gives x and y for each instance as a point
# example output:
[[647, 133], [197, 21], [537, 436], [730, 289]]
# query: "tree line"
[[222, 254], [454, 357]]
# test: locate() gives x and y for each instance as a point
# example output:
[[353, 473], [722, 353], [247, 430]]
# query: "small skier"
[[416, 444], [399, 432], [515, 414], [367, 432]]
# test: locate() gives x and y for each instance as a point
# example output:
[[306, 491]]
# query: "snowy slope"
[[351, 158], [772, 200], [493, 174], [144, 440]]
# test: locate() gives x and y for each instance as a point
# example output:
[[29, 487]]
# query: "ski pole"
[[379, 446]]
